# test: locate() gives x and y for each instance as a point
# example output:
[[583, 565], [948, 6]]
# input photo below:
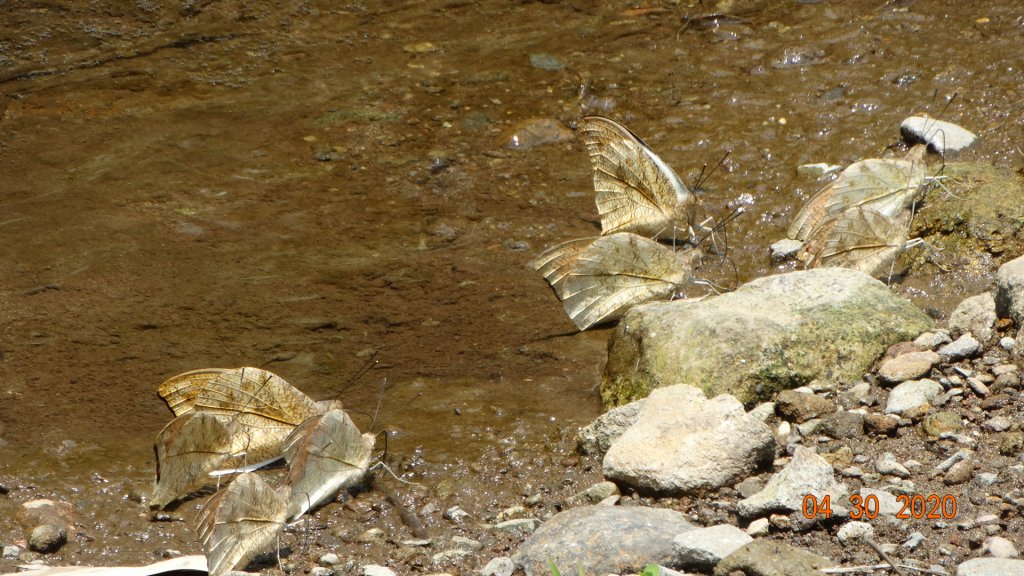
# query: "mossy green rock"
[[775, 333], [979, 210], [937, 424]]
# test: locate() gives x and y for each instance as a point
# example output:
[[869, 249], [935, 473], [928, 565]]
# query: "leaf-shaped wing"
[[325, 454], [598, 280], [886, 186], [861, 239], [187, 449], [180, 391], [254, 391], [239, 522], [635, 190]]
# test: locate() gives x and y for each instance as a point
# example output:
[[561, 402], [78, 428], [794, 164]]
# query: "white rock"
[[683, 442], [991, 567], [886, 502], [703, 548], [976, 315], [999, 547], [807, 473], [1010, 291], [887, 464], [784, 249], [942, 136], [758, 527], [912, 394], [852, 532], [377, 570], [932, 340]]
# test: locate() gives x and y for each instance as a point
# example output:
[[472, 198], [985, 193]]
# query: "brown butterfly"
[[226, 418], [325, 454], [861, 239], [599, 279], [885, 186], [635, 190], [241, 521]]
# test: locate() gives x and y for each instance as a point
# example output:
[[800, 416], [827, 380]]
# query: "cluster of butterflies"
[[860, 220], [226, 419]]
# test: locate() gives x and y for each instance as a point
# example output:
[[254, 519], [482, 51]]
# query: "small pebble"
[[758, 527], [914, 540], [999, 547], [959, 473], [11, 552], [500, 566], [855, 532], [1007, 343], [329, 559], [887, 464], [455, 514], [377, 570]]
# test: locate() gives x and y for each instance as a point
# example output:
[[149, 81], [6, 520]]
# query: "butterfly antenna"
[[706, 174], [736, 212], [370, 364], [380, 400]]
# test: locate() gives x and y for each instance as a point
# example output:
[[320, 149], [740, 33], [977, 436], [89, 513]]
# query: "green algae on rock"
[[772, 334]]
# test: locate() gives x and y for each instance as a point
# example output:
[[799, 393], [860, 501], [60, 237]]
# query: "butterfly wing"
[[325, 454], [254, 391], [886, 186], [598, 280], [861, 239], [187, 449], [635, 190], [239, 522], [180, 391]]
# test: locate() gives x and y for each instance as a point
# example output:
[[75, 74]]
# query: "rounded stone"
[[47, 538]]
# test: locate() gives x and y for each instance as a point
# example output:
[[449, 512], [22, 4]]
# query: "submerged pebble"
[[535, 132], [544, 61]]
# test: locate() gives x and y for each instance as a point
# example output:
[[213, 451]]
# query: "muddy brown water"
[[296, 185]]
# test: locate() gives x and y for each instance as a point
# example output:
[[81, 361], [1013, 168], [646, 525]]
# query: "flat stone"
[[800, 407], [377, 570], [784, 249], [940, 135], [965, 346], [912, 395], [771, 558], [991, 567], [910, 366], [684, 442], [703, 548], [807, 473], [604, 539]]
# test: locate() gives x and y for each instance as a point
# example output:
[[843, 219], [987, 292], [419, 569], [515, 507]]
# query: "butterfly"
[[241, 521], [225, 418], [325, 455], [860, 238], [635, 190], [599, 279], [885, 186]]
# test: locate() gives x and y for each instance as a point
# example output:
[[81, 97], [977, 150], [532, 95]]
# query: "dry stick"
[[874, 545], [873, 567]]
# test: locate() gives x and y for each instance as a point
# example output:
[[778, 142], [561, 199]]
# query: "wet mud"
[[301, 185]]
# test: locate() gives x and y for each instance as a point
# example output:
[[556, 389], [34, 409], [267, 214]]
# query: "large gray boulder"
[[683, 443], [771, 334], [602, 540]]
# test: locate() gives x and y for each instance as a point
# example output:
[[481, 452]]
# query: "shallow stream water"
[[298, 185]]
